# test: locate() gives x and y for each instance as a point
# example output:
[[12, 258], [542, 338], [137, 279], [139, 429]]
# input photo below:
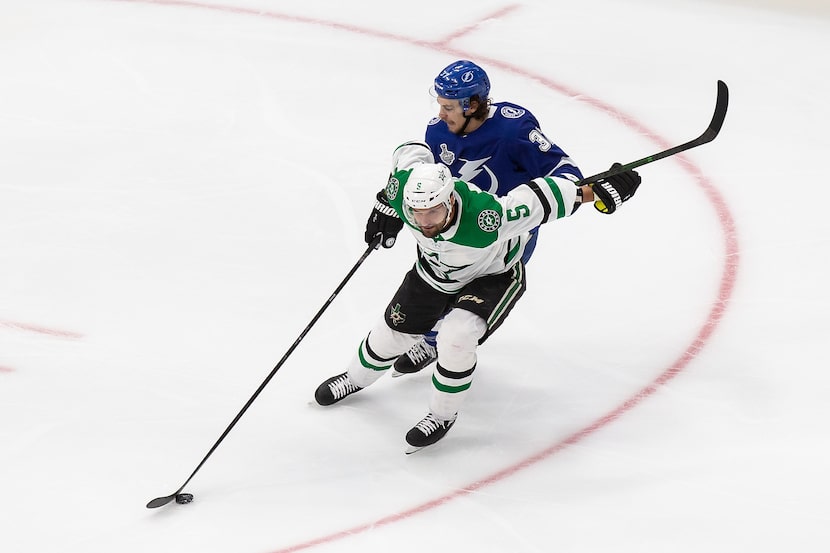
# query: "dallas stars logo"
[[392, 188], [396, 316], [489, 220]]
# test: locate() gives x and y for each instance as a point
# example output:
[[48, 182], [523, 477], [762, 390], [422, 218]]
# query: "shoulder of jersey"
[[508, 111], [472, 196], [480, 213]]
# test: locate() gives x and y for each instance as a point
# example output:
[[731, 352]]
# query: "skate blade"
[[396, 374], [410, 449]]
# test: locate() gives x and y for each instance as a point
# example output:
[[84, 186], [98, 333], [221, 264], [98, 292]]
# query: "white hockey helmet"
[[429, 185]]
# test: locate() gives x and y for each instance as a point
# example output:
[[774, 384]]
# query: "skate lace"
[[430, 424], [421, 352], [342, 387]]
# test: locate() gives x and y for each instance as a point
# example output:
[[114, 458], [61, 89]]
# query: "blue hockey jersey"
[[509, 149]]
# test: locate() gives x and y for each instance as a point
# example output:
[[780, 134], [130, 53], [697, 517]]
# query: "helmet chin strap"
[[467, 119], [450, 214]]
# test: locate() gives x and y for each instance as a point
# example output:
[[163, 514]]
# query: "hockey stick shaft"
[[159, 501], [721, 105]]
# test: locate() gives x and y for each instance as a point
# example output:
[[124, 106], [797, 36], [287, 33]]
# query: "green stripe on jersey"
[[557, 193], [508, 296]]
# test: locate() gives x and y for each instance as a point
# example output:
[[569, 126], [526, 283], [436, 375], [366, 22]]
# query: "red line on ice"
[[41, 330], [727, 282], [498, 14]]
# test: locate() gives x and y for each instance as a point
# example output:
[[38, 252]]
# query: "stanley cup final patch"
[[446, 156]]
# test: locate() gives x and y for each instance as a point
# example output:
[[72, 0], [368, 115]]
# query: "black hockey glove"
[[611, 192], [383, 221]]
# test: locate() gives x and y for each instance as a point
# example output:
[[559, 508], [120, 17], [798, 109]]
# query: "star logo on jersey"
[[446, 156], [396, 316], [440, 268], [392, 188], [489, 220]]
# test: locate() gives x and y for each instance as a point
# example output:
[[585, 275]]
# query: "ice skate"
[[334, 389], [419, 356], [429, 430]]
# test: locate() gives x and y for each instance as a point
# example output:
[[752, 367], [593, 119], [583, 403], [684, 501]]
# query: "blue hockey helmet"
[[461, 80]]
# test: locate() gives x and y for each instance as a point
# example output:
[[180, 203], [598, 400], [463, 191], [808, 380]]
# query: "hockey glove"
[[611, 192], [383, 221]]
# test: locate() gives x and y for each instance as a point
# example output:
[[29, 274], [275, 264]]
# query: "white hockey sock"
[[453, 374], [377, 353]]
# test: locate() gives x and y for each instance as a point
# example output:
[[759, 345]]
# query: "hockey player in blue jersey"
[[494, 145]]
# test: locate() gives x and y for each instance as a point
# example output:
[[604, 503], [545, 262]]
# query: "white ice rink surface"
[[183, 185]]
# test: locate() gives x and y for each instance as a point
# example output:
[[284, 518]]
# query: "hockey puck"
[[182, 498]]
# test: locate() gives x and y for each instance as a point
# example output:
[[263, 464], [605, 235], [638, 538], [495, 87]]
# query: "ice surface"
[[183, 184]]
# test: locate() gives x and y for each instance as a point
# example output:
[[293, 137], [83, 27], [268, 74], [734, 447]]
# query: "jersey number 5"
[[518, 213]]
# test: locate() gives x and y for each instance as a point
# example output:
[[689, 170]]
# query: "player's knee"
[[388, 343], [458, 339]]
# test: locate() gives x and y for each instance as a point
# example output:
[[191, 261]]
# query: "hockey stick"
[[186, 497], [708, 135]]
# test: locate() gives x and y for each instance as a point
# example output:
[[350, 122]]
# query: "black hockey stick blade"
[[721, 105], [180, 498], [161, 501]]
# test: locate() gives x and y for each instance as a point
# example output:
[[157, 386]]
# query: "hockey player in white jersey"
[[469, 271]]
